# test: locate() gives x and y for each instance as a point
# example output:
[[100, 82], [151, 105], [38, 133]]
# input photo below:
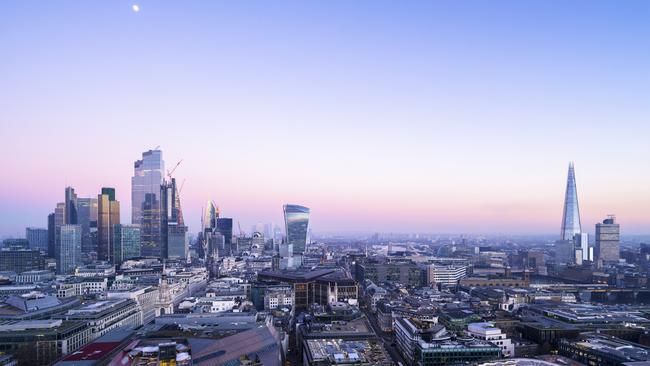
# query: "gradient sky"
[[436, 116]]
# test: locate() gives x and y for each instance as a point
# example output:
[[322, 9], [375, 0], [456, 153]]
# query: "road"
[[386, 338]]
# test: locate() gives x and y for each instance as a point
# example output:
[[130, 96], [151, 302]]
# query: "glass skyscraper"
[[148, 175], [296, 220], [127, 242], [108, 215], [37, 238], [153, 229], [68, 248], [571, 215], [87, 211]]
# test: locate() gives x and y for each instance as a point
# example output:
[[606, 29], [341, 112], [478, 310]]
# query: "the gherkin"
[[571, 215]]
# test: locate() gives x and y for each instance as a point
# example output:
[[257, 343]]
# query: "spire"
[[571, 214]]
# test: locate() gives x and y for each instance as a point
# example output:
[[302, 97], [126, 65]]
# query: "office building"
[[51, 235], [108, 215], [87, 214], [153, 228], [488, 332], [59, 220], [448, 275], [582, 244], [15, 244], [607, 240], [147, 177], [37, 238], [42, 342], [296, 221], [68, 248], [404, 273], [21, 260], [224, 227], [177, 243], [70, 206], [571, 214], [126, 239], [210, 216]]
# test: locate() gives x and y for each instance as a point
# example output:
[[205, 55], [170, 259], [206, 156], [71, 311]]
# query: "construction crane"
[[170, 172], [241, 232], [182, 184]]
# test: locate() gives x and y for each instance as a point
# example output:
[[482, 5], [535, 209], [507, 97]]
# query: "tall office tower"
[[177, 245], [59, 220], [70, 206], [152, 228], [582, 243], [87, 211], [51, 235], [607, 240], [210, 216], [571, 214], [108, 215], [68, 248], [148, 175], [37, 238], [224, 227], [296, 220], [127, 242]]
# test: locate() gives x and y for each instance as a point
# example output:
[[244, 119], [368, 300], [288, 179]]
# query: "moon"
[[135, 7]]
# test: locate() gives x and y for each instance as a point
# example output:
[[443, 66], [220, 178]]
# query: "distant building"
[[37, 238], [126, 239], [68, 248], [87, 214], [147, 177], [296, 220], [571, 213], [224, 227], [15, 244], [404, 273], [70, 206], [599, 349], [278, 296], [445, 275], [152, 228], [607, 240], [21, 260], [108, 215], [51, 235]]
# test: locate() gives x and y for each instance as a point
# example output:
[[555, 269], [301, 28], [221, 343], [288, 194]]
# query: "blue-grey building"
[[296, 220]]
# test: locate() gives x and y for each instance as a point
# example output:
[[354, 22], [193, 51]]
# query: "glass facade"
[[151, 229], [87, 212], [37, 238], [147, 177], [571, 215], [68, 248], [127, 242], [296, 220], [108, 215]]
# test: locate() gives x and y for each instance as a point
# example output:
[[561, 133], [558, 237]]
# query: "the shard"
[[571, 215]]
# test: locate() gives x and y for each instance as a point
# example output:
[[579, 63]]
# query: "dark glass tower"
[[571, 215]]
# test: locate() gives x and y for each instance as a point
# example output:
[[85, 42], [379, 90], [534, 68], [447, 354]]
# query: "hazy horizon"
[[381, 117]]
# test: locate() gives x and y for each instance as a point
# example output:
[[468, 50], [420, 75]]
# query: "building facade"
[[68, 248], [108, 215], [127, 242], [296, 220], [37, 238], [607, 240]]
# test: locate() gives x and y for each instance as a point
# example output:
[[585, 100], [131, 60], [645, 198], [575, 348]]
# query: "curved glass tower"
[[571, 215], [296, 221]]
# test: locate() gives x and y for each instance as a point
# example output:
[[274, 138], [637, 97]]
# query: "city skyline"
[[444, 117]]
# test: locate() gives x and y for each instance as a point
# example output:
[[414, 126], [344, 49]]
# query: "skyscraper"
[[37, 238], [210, 216], [224, 227], [108, 215], [70, 206], [152, 228], [177, 244], [571, 215], [296, 220], [607, 240], [148, 175], [68, 248], [126, 239], [87, 211], [51, 235]]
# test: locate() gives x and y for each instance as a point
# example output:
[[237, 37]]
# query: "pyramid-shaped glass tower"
[[571, 215]]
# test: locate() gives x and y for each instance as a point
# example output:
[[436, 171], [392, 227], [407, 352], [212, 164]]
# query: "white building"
[[446, 275], [275, 297], [488, 332]]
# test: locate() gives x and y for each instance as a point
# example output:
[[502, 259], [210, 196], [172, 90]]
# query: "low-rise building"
[[106, 315], [488, 332]]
